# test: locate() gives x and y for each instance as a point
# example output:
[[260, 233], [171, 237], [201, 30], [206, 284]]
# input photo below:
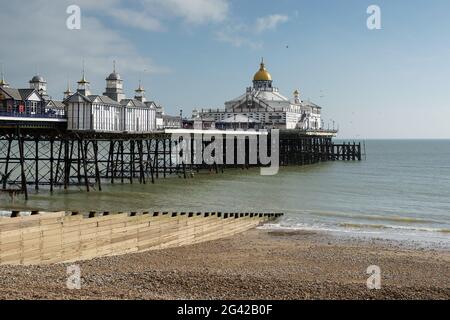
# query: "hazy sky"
[[388, 83]]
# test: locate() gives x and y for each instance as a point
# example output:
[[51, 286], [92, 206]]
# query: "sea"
[[399, 191]]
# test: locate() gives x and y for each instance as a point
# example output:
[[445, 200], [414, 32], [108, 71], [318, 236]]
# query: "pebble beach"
[[258, 264]]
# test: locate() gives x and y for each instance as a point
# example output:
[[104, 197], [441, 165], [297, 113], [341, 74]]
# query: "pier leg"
[[22, 166], [170, 156], [113, 163], [141, 162], [156, 162], [66, 164], [151, 162], [79, 155], [131, 163], [359, 151], [8, 155], [165, 157], [58, 161], [110, 159], [149, 165], [51, 165], [97, 171], [36, 163], [84, 154], [122, 172], [114, 173]]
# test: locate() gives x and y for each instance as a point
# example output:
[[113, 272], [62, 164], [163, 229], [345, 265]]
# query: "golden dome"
[[262, 74]]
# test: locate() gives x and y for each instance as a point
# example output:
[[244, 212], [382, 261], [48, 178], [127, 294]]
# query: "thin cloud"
[[270, 22], [240, 35], [57, 52], [192, 11], [237, 36], [152, 15], [136, 19]]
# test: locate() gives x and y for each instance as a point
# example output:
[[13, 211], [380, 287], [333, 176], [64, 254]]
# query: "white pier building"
[[262, 106], [110, 112]]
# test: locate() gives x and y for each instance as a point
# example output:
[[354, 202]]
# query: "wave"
[[380, 226], [378, 229], [404, 219], [304, 227]]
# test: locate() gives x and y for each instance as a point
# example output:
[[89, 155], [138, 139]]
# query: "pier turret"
[[39, 84], [140, 93], [114, 86], [68, 91], [3, 83], [262, 78], [297, 97], [83, 86]]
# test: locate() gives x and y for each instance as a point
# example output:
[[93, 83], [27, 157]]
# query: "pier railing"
[[346, 152], [46, 115]]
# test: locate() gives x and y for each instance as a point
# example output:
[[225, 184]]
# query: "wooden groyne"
[[45, 238]]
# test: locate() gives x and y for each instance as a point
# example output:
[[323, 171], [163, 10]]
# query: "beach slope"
[[259, 264]]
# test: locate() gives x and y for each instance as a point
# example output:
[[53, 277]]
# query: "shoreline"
[[258, 264], [405, 241], [422, 238]]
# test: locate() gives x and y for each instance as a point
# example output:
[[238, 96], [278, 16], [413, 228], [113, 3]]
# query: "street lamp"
[[181, 118]]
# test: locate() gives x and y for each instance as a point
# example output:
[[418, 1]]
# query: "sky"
[[387, 83]]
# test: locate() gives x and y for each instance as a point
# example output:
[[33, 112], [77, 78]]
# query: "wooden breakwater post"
[[58, 237]]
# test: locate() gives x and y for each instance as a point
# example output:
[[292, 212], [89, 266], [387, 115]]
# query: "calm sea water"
[[402, 191]]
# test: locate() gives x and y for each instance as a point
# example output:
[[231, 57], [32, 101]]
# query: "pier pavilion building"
[[262, 106], [32, 105], [20, 102], [110, 112]]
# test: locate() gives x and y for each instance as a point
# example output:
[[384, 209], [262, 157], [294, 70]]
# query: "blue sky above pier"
[[388, 83]]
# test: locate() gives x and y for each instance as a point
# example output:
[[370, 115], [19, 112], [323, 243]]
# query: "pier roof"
[[56, 104], [18, 94], [133, 103], [262, 74], [12, 93], [114, 76], [77, 97], [103, 99]]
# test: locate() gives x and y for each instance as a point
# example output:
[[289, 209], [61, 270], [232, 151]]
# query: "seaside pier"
[[54, 158], [88, 140]]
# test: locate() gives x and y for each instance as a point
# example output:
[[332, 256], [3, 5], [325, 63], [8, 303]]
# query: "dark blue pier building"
[[30, 107]]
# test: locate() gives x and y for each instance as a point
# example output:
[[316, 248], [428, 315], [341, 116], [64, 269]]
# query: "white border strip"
[[32, 119], [216, 132]]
